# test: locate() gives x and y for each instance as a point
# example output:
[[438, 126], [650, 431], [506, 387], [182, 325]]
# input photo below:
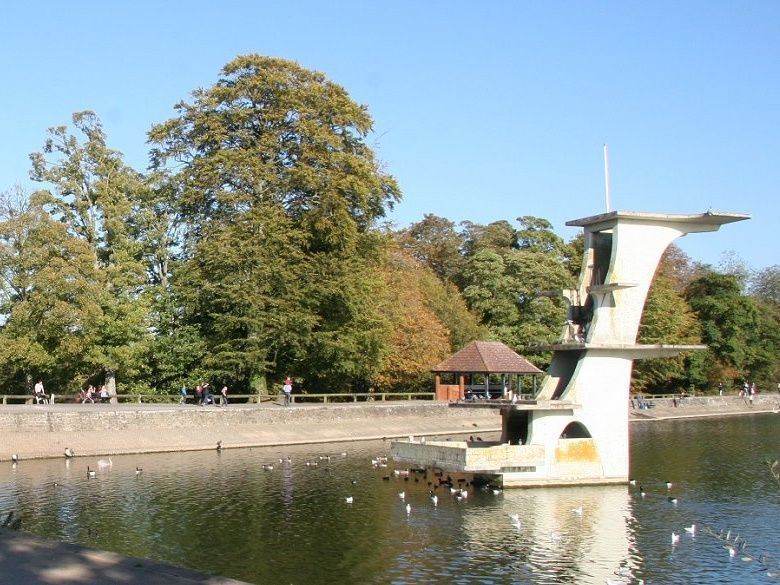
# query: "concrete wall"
[[44, 431], [713, 402], [460, 456], [80, 418]]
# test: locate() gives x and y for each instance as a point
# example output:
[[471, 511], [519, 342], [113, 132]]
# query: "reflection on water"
[[226, 513]]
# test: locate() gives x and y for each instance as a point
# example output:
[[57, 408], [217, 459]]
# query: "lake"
[[225, 513]]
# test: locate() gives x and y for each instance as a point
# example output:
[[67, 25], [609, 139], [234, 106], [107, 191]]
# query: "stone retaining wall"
[[45, 431], [81, 418], [715, 402]]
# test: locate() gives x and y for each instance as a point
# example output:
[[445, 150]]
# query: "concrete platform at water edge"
[[30, 560], [40, 431]]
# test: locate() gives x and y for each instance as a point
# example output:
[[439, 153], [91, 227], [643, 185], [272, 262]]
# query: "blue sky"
[[483, 111]]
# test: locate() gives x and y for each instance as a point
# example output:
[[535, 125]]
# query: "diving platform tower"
[[575, 429]]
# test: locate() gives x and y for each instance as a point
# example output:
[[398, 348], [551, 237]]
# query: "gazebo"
[[470, 370]]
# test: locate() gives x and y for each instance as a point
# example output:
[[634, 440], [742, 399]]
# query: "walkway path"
[[30, 560], [693, 408]]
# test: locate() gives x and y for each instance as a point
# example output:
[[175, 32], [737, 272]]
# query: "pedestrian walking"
[[224, 392], [287, 389]]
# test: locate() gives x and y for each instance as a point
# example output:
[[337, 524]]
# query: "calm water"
[[224, 513]]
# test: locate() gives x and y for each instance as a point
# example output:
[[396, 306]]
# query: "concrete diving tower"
[[575, 430]]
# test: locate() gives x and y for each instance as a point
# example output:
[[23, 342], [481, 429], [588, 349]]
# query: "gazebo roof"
[[489, 357]]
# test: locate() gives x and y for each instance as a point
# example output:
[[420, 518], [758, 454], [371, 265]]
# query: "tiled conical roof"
[[491, 357]]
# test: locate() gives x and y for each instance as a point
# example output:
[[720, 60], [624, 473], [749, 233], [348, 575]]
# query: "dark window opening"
[[575, 430]]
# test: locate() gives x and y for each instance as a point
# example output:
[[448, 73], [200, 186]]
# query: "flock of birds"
[[735, 546], [458, 488], [102, 464]]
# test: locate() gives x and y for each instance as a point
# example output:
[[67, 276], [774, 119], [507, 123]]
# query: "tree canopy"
[[251, 249]]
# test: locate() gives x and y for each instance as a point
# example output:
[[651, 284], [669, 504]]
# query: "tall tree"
[[273, 160], [731, 324], [418, 339], [96, 196], [765, 284], [49, 306], [499, 236], [666, 319], [436, 242]]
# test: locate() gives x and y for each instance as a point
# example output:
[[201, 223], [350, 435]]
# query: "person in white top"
[[40, 393]]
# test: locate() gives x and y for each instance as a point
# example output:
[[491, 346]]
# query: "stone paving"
[[30, 560]]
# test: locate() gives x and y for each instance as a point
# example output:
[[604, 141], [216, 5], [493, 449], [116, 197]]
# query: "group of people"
[[88, 394], [204, 395], [748, 392], [85, 395]]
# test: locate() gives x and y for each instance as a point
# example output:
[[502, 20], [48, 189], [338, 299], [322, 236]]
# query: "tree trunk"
[[111, 385], [258, 384]]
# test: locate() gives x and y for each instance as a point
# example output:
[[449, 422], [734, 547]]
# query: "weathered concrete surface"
[[31, 560], [46, 430]]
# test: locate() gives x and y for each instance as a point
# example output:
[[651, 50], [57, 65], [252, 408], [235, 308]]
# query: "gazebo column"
[[462, 385]]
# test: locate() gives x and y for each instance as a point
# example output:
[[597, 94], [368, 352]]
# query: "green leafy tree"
[[667, 319], [536, 235], [449, 306], [499, 236], [436, 242], [97, 197], [505, 292], [280, 192], [732, 325], [49, 298]]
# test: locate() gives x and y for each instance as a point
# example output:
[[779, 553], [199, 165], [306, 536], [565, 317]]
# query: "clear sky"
[[483, 110]]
